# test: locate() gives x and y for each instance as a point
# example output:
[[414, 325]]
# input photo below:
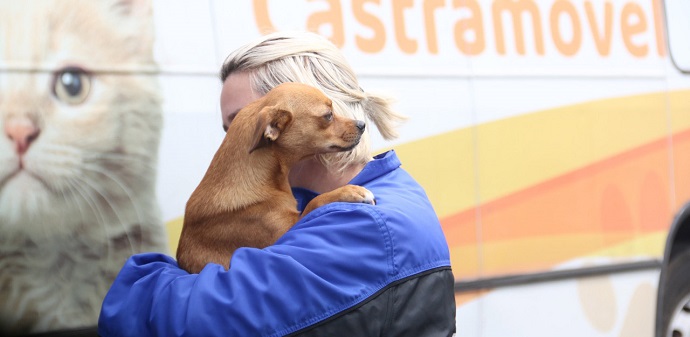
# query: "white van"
[[552, 136]]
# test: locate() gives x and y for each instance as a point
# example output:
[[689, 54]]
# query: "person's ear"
[[271, 123]]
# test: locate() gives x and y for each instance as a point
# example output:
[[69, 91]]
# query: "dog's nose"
[[360, 125]]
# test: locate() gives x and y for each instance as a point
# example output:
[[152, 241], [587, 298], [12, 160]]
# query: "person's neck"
[[311, 174]]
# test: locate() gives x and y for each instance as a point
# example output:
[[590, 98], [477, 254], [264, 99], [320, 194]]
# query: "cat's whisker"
[[123, 186], [78, 190], [143, 161], [81, 188], [57, 161], [75, 185], [72, 156], [113, 206], [129, 197], [107, 251], [62, 150], [77, 202]]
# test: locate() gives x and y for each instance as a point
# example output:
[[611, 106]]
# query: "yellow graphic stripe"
[[515, 153]]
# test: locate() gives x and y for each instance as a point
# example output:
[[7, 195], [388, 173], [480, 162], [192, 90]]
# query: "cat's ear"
[[133, 19], [132, 8]]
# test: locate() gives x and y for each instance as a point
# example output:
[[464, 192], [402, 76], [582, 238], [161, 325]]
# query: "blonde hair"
[[311, 59]]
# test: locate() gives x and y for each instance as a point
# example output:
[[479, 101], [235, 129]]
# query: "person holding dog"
[[345, 269]]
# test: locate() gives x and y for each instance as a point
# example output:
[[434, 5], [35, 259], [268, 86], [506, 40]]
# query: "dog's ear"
[[271, 123]]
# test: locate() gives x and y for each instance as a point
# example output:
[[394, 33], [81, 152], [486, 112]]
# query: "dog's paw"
[[355, 194], [347, 193], [368, 198]]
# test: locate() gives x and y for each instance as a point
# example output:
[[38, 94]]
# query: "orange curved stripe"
[[535, 228]]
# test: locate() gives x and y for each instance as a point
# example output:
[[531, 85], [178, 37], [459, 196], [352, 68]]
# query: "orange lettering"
[[474, 23], [659, 28], [559, 8], [376, 43], [516, 8], [630, 28], [429, 20], [406, 44], [332, 17], [601, 40], [263, 21]]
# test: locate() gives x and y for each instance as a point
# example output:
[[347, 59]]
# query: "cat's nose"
[[22, 131]]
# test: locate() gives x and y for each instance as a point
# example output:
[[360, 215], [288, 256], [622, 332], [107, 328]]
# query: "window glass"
[[678, 25]]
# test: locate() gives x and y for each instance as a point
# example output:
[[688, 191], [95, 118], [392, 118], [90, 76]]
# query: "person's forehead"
[[236, 92]]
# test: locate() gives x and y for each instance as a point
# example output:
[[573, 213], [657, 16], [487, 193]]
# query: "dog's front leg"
[[347, 193]]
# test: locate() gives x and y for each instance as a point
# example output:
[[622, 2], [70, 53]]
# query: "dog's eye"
[[329, 116]]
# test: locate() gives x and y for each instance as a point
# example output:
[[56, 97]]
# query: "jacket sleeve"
[[311, 273]]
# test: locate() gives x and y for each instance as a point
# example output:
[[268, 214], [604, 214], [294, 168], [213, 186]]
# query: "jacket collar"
[[379, 166], [382, 164]]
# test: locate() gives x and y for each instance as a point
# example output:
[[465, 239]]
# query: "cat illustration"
[[80, 112]]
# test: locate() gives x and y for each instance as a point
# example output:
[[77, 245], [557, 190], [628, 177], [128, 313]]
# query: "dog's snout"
[[360, 125]]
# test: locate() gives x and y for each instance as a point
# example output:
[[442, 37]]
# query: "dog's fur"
[[245, 200]]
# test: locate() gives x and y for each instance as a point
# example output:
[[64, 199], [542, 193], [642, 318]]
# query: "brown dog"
[[245, 200]]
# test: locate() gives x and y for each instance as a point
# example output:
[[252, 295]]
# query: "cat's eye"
[[72, 85]]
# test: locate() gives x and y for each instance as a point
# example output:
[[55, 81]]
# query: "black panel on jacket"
[[418, 306]]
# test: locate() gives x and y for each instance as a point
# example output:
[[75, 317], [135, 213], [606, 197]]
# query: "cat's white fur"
[[81, 199]]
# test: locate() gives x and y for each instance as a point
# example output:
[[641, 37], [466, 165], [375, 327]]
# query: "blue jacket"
[[333, 261]]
